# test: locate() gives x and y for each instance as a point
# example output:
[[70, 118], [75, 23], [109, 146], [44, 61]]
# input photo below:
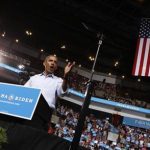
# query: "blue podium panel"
[[18, 101]]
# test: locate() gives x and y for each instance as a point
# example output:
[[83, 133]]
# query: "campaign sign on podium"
[[18, 101]]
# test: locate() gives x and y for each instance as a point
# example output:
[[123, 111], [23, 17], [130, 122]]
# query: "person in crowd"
[[96, 132], [51, 86]]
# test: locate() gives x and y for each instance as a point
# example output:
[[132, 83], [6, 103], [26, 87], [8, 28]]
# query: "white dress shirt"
[[50, 85]]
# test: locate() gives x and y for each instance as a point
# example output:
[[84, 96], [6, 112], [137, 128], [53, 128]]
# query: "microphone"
[[98, 34]]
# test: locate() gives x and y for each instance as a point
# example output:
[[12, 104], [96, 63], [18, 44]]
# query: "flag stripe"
[[145, 57], [136, 55], [140, 48], [142, 57], [148, 64]]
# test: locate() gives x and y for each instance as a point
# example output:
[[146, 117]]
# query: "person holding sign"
[[51, 86]]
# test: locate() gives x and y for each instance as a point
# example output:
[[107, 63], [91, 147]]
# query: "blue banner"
[[112, 103], [136, 123], [18, 101]]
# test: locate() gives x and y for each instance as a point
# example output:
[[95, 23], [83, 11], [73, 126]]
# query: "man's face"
[[50, 64]]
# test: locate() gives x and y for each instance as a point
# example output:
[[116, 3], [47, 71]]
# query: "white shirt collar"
[[49, 75]]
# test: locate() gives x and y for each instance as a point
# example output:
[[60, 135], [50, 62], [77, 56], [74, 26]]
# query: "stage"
[[23, 137]]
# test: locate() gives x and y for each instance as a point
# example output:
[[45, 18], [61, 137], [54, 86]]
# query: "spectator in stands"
[[95, 133], [51, 86]]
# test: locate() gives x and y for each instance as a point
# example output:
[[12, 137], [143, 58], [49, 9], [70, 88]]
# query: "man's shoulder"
[[35, 76], [57, 78]]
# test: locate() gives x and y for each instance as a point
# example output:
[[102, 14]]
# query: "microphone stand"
[[89, 90]]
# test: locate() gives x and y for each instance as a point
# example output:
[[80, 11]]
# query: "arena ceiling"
[[78, 25]]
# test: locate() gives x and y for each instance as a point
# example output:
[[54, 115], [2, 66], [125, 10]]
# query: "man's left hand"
[[68, 68]]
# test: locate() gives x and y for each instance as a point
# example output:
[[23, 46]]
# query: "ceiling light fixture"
[[17, 40], [63, 47]]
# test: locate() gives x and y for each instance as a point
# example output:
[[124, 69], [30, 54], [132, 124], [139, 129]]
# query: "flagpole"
[[85, 107]]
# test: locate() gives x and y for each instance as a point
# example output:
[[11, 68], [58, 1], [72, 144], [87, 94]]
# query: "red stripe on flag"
[[148, 64], [142, 57], [136, 55]]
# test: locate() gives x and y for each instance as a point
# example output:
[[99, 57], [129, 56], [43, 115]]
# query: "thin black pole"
[[85, 107]]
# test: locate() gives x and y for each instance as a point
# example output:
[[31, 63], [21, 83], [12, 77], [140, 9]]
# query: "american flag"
[[141, 66]]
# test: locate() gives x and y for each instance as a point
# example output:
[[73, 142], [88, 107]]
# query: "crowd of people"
[[106, 90], [97, 132]]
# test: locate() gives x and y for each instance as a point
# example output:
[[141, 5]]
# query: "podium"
[[26, 134], [24, 105], [41, 116]]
